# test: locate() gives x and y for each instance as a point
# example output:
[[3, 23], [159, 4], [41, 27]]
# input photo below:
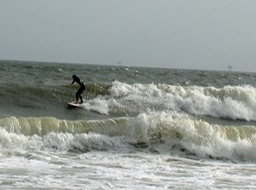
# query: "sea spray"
[[237, 102]]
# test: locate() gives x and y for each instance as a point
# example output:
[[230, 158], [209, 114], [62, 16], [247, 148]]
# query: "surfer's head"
[[74, 77]]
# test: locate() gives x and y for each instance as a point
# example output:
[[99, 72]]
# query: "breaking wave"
[[231, 102], [163, 133]]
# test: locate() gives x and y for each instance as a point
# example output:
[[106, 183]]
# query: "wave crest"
[[157, 132]]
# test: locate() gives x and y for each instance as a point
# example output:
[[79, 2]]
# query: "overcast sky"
[[189, 34]]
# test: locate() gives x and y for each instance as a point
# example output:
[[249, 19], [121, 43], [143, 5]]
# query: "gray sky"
[[190, 34]]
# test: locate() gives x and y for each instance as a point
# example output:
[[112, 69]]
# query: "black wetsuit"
[[80, 90]]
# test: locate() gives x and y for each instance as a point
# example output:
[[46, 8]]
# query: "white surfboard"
[[89, 107], [74, 104]]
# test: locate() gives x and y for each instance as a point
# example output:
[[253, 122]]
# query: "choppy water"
[[139, 128]]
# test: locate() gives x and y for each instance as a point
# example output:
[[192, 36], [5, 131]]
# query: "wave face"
[[158, 132], [118, 98]]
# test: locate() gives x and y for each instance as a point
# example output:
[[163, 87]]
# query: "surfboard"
[[74, 104]]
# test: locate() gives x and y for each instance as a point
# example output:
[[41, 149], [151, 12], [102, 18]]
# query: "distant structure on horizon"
[[230, 68]]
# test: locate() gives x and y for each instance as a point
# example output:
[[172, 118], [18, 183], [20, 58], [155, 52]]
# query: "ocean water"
[[138, 128]]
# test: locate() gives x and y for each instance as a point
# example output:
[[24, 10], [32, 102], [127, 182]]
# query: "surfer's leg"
[[81, 98], [77, 94]]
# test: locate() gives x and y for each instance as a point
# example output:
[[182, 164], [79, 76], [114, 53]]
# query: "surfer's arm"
[[73, 82]]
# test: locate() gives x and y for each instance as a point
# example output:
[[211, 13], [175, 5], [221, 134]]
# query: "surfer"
[[80, 90]]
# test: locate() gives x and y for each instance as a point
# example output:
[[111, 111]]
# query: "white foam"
[[237, 102], [98, 105], [200, 138], [165, 132]]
